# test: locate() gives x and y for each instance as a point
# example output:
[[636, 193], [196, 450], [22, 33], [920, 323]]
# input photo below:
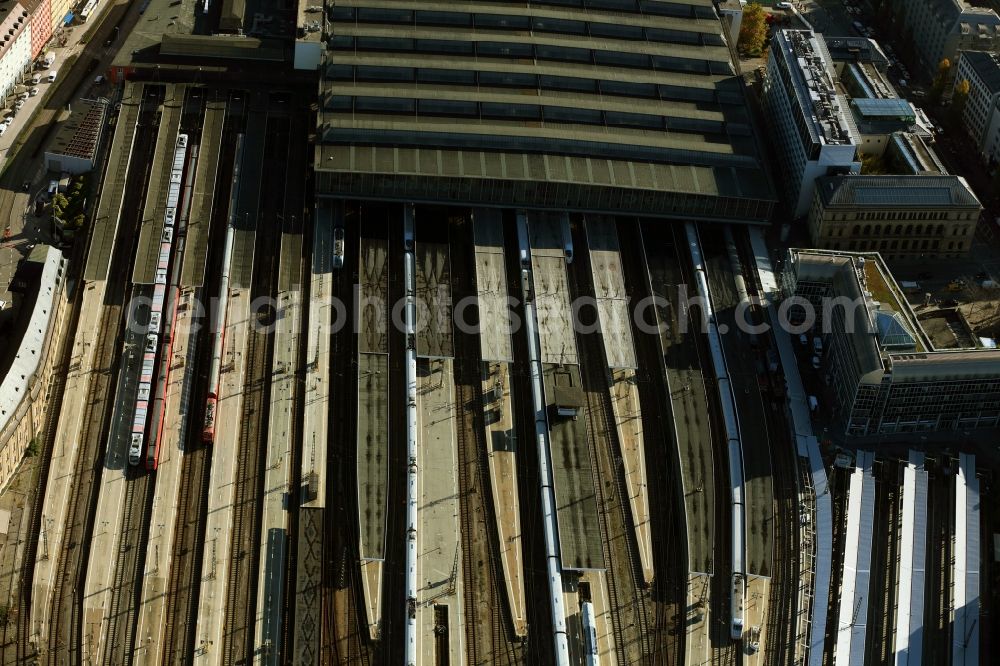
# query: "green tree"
[[753, 30]]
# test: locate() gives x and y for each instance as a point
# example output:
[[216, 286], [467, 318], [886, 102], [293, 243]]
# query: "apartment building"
[[15, 47], [982, 111], [888, 369], [942, 28], [905, 216], [808, 116]]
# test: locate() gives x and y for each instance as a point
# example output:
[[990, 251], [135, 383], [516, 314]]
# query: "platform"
[[501, 452], [282, 435], [440, 598], [108, 533], [575, 591], [373, 311], [573, 478], [741, 360], [698, 621], [155, 206], [371, 587], [908, 629], [199, 221], [689, 410], [755, 620], [248, 199], [556, 336], [217, 557], [65, 456], [308, 587], [628, 421], [316, 386], [609, 290], [966, 561], [435, 338], [853, 621], [149, 633], [491, 286], [373, 453], [109, 207]]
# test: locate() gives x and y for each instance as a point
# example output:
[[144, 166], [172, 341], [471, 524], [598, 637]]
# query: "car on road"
[[783, 5], [25, 186]]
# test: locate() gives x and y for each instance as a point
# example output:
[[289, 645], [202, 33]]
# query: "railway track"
[[489, 627], [779, 646], [247, 510], [668, 527], [629, 598], [121, 616], [182, 601], [65, 639], [885, 557], [723, 649]]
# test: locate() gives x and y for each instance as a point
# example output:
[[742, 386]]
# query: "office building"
[[627, 107], [809, 120], [887, 369], [982, 110], [15, 48], [898, 216], [942, 28]]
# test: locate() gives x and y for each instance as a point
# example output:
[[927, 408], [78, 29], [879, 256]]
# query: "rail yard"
[[363, 432]]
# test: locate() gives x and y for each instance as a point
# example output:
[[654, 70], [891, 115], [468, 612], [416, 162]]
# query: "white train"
[[731, 423], [219, 324], [151, 349], [590, 654]]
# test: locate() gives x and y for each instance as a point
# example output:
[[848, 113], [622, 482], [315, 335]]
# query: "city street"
[[21, 151]]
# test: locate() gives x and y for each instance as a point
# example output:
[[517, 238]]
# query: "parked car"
[[783, 5], [33, 92]]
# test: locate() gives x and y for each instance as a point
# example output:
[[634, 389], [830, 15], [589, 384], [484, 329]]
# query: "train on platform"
[[731, 424], [591, 656], [218, 330], [159, 337]]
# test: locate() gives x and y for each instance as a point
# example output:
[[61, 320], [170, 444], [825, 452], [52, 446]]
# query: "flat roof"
[[573, 480], [433, 283], [373, 452], [813, 78], [947, 329]]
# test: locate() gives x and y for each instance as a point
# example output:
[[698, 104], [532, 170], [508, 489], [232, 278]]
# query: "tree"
[[937, 88], [959, 98], [753, 30], [872, 165]]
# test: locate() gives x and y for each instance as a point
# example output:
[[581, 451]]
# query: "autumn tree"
[[753, 30], [959, 98], [937, 88]]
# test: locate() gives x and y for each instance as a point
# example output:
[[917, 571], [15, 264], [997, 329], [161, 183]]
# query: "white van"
[[36, 79], [52, 75]]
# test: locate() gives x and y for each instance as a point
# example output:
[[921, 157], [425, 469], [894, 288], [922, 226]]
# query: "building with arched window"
[[904, 216]]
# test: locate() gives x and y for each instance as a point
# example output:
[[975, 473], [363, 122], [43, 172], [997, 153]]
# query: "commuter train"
[[731, 423], [591, 657], [156, 346]]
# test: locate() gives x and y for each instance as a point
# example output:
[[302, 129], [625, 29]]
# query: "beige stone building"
[[900, 217]]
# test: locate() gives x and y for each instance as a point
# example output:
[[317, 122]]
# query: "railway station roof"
[[618, 108]]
